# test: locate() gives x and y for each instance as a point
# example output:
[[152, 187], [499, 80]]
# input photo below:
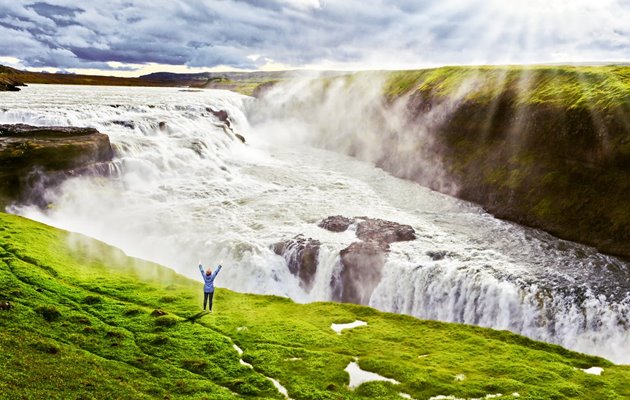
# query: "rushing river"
[[187, 190]]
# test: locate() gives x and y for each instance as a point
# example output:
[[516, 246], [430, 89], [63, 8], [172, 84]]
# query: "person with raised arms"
[[208, 287]]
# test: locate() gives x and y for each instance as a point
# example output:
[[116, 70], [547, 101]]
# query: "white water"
[[192, 191]]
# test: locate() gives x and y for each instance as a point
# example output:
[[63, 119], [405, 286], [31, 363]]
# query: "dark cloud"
[[249, 33]]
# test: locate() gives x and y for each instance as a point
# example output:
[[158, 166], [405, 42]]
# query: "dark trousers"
[[206, 297]]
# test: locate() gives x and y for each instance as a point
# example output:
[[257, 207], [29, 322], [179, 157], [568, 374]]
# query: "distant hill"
[[241, 82]]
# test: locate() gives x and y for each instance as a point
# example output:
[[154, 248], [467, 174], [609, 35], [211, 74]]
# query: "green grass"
[[600, 88], [81, 327]]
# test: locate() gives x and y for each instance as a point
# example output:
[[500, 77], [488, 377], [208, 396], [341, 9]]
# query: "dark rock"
[[5, 306], [437, 255], [301, 255], [126, 124], [162, 125], [362, 265], [221, 115], [33, 158], [158, 313], [382, 231], [239, 137], [336, 223]]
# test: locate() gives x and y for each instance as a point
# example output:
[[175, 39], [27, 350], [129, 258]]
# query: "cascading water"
[[186, 190]]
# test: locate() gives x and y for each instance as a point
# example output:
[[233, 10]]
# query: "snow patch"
[[359, 376], [293, 359], [594, 370], [405, 396], [460, 377], [278, 386], [339, 327], [238, 350]]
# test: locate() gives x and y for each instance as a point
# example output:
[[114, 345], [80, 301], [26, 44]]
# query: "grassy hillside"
[[82, 327], [597, 88]]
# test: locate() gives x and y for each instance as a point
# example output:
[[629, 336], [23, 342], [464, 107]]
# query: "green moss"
[[569, 87], [114, 349]]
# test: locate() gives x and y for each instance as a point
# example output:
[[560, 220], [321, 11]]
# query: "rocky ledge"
[[360, 264], [28, 153], [9, 84]]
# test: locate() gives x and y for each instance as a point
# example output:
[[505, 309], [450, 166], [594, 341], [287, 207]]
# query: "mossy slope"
[[81, 327]]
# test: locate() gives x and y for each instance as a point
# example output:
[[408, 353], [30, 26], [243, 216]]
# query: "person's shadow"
[[197, 317]]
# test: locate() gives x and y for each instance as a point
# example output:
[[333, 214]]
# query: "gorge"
[[186, 188]]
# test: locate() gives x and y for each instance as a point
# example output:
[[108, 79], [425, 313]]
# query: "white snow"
[[339, 327], [460, 377], [405, 395], [278, 386], [359, 376], [594, 370], [238, 350]]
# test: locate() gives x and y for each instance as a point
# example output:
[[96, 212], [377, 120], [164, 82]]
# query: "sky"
[[135, 37]]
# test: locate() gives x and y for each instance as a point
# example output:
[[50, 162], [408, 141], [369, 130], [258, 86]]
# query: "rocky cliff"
[[548, 148], [31, 156]]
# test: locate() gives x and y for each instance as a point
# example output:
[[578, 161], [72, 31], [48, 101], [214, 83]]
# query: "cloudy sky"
[[131, 37]]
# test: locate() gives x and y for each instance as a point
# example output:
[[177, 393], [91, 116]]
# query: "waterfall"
[[183, 188]]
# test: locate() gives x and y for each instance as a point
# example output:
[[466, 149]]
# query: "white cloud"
[[345, 34]]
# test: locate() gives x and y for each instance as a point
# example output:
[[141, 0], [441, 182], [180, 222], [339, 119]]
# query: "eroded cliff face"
[[546, 147], [34, 156]]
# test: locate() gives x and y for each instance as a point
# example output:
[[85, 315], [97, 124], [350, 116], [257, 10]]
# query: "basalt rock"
[[301, 255], [381, 231], [336, 223], [33, 158], [361, 263], [224, 117]]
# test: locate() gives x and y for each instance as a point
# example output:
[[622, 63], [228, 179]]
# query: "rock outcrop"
[[224, 118], [361, 263], [301, 255], [9, 83], [31, 156]]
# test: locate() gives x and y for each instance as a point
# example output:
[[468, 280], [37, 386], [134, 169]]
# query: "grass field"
[[83, 325]]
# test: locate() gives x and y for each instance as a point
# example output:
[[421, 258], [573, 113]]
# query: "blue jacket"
[[208, 286]]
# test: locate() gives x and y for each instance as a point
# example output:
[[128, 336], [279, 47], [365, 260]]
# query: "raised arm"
[[214, 274], [201, 270]]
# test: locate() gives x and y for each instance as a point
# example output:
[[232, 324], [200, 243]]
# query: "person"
[[208, 287]]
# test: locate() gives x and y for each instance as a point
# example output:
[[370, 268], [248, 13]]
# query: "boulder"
[[33, 156], [301, 255], [336, 223], [382, 231]]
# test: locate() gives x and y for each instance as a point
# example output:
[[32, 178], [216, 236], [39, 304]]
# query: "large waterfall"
[[187, 190]]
